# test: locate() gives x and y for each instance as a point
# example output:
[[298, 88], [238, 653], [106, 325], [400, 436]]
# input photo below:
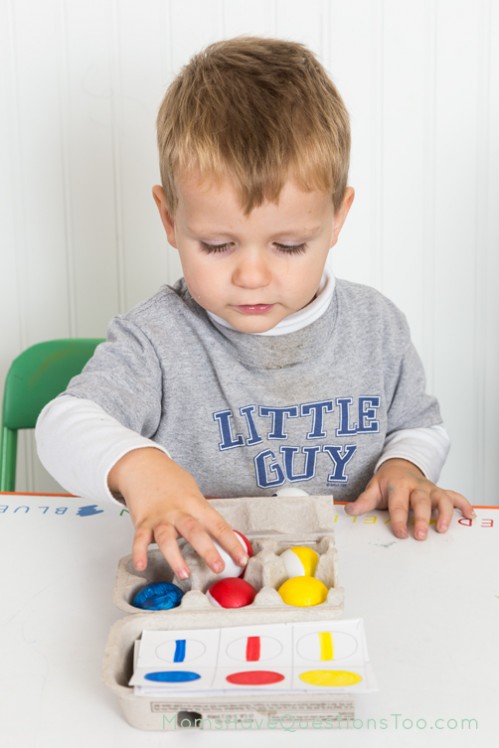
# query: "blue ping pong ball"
[[158, 596]]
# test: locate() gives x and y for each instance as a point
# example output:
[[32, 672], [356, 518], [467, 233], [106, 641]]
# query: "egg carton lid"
[[277, 515]]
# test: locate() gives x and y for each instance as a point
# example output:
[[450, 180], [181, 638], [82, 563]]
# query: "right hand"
[[165, 502]]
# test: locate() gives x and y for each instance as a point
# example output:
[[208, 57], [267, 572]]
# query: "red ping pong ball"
[[231, 569], [231, 592]]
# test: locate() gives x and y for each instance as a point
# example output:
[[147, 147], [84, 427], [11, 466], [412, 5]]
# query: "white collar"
[[303, 317]]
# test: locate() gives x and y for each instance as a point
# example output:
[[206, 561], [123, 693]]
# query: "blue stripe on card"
[[179, 655]]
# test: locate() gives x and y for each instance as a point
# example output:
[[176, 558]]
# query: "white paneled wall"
[[80, 84]]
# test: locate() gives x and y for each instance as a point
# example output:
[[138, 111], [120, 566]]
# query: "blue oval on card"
[[158, 596], [172, 676]]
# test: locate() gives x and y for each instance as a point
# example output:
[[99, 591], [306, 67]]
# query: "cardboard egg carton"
[[271, 525]]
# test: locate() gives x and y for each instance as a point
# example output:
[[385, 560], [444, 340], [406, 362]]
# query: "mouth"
[[254, 308]]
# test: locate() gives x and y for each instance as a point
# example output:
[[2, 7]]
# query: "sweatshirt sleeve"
[[78, 443], [427, 448], [124, 377]]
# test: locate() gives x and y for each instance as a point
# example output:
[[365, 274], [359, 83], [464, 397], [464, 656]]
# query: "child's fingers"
[[421, 505], [445, 509], [447, 501], [201, 534], [141, 540], [402, 491], [398, 508], [369, 499], [223, 533], [165, 536], [196, 534], [461, 502]]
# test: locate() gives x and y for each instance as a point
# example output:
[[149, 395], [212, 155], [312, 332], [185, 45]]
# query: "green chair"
[[35, 377]]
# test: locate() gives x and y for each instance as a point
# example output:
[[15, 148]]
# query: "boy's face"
[[251, 270]]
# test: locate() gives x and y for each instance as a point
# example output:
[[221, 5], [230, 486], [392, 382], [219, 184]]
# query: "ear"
[[159, 196], [341, 214]]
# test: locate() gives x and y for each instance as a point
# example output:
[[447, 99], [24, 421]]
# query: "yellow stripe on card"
[[326, 645]]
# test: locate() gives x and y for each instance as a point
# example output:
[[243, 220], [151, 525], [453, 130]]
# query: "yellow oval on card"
[[336, 678]]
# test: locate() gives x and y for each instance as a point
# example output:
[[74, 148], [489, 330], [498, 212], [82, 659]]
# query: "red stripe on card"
[[253, 648]]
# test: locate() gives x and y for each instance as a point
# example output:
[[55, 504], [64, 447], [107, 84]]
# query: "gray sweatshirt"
[[252, 414]]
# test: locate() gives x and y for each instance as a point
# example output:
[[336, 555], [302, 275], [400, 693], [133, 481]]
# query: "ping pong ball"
[[231, 592], [303, 592], [158, 596], [300, 561], [231, 569]]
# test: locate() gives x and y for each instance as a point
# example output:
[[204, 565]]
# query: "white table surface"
[[431, 612]]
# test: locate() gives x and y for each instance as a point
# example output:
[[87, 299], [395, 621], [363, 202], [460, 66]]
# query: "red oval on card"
[[255, 678]]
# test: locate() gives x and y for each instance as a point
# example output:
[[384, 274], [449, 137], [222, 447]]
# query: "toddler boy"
[[258, 370]]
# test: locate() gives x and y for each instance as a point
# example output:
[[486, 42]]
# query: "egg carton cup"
[[271, 525], [265, 570]]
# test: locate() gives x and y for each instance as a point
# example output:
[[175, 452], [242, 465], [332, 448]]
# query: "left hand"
[[399, 486]]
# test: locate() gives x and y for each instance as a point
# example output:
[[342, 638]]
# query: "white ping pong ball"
[[300, 561], [231, 569]]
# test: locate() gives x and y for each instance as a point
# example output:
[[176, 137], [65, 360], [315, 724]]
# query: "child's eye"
[[211, 248], [291, 249]]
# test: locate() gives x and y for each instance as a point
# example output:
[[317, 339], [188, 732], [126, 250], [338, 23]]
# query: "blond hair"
[[259, 111]]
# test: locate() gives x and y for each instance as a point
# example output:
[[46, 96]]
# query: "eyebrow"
[[302, 232]]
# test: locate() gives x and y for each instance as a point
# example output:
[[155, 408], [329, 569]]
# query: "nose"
[[252, 269]]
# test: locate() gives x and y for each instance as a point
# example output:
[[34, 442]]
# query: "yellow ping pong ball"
[[303, 592], [300, 561]]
